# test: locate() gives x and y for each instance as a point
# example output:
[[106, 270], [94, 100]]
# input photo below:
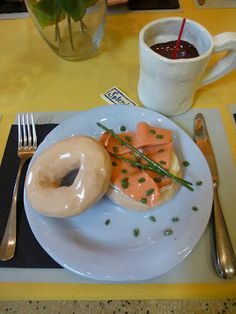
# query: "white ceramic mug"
[[168, 86]]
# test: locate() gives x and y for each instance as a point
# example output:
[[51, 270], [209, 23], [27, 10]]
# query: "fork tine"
[[34, 131], [28, 130], [24, 130], [20, 140]]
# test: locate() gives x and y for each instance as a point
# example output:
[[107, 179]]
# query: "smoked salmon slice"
[[156, 144], [139, 186]]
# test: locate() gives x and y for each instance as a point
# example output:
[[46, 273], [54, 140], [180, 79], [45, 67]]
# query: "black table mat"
[[19, 7], [153, 4], [12, 7], [29, 253]]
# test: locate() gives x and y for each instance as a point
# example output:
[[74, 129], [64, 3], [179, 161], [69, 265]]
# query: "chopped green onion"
[[107, 222], [153, 218], [152, 131], [141, 180], [199, 183], [128, 138], [162, 162], [123, 128], [125, 183], [143, 200], [136, 232], [149, 192], [167, 232], [175, 219]]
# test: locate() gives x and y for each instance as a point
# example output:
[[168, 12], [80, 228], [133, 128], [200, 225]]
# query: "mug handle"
[[222, 42]]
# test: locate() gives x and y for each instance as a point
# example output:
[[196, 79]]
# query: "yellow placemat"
[[34, 79], [32, 291]]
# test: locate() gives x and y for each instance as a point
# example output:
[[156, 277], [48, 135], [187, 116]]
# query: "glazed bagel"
[[43, 184], [167, 192]]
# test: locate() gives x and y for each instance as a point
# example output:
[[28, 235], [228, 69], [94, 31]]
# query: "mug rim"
[[165, 19]]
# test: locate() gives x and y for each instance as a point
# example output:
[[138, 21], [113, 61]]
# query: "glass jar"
[[73, 29]]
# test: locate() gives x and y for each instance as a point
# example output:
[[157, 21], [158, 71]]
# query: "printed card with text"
[[115, 96]]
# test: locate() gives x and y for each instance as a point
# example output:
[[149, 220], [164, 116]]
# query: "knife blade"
[[224, 257]]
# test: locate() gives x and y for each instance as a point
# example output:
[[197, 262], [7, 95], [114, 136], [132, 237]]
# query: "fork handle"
[[8, 244], [225, 260]]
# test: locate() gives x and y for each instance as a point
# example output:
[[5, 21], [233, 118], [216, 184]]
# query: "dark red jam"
[[185, 51]]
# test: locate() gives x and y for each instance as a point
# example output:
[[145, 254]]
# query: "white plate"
[[88, 247]]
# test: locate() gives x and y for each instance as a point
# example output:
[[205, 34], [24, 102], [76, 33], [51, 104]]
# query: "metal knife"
[[224, 257]]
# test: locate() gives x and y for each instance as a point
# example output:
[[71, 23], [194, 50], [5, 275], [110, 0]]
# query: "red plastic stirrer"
[[179, 38]]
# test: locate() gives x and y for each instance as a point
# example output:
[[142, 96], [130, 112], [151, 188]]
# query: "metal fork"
[[27, 145]]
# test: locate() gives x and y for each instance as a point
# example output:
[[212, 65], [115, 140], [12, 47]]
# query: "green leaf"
[[90, 3], [46, 11], [76, 8]]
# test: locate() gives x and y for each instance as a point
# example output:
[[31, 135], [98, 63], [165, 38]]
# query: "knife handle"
[[225, 260]]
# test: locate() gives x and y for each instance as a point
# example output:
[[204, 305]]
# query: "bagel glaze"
[[48, 170], [167, 192]]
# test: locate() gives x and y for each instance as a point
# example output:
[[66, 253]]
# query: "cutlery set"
[[224, 257]]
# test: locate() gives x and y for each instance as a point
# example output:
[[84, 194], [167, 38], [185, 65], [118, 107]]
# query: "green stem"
[[158, 171], [154, 166], [57, 29], [82, 25], [137, 164], [70, 32]]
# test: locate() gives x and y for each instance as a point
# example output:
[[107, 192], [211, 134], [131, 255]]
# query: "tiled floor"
[[222, 306]]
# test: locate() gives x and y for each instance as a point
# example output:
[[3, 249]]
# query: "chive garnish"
[[157, 168], [114, 163], [123, 128], [199, 183], [125, 183], [115, 149], [152, 131], [157, 179], [195, 208], [136, 232], [144, 200], [107, 222], [167, 232], [123, 171], [153, 218], [149, 192], [162, 162], [141, 180], [159, 136], [128, 138], [186, 163], [175, 219], [151, 165]]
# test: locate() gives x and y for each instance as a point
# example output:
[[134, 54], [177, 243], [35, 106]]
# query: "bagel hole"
[[69, 178]]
